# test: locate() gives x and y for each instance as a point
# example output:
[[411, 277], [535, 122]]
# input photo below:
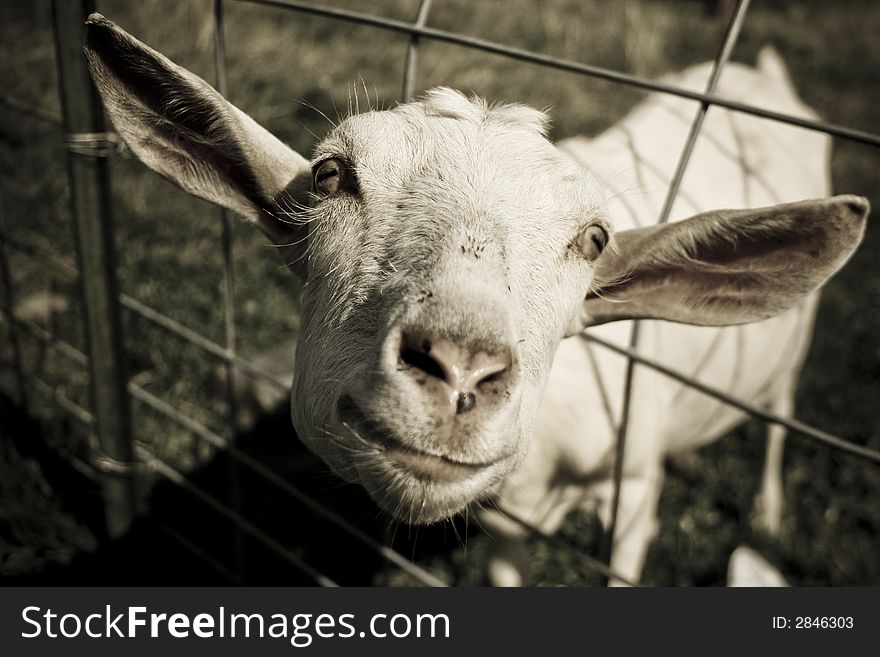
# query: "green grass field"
[[287, 69]]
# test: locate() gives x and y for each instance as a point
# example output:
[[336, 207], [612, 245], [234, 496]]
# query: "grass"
[[283, 64]]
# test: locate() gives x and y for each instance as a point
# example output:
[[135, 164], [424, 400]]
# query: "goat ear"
[[180, 127], [725, 267]]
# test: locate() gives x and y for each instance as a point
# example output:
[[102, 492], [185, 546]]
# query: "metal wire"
[[70, 407], [229, 328], [42, 256], [47, 337], [226, 238], [197, 339], [721, 59], [198, 552], [734, 27], [30, 111], [412, 53], [812, 433]]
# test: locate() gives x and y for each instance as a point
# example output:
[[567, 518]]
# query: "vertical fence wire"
[[410, 66], [734, 27], [229, 326], [90, 204]]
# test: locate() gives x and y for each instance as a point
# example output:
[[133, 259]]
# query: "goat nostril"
[[415, 353], [465, 402], [493, 368], [494, 376]]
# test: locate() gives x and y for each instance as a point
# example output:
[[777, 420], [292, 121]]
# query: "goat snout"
[[461, 374]]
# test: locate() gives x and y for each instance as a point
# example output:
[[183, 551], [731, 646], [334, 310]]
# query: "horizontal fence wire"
[[197, 339], [80, 466], [797, 427], [195, 550], [82, 415], [42, 256], [52, 341], [548, 61], [47, 337], [30, 111]]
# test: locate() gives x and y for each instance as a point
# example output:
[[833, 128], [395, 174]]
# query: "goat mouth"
[[426, 466]]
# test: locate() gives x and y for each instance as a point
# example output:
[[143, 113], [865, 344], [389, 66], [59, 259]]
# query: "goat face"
[[449, 247]]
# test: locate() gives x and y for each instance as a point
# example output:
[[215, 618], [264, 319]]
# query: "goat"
[[449, 249]]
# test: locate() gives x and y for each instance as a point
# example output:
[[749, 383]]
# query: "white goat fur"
[[462, 218]]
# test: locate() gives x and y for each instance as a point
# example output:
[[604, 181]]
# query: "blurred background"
[[287, 70]]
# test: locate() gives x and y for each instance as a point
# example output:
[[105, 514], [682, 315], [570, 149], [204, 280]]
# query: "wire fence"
[[115, 458]]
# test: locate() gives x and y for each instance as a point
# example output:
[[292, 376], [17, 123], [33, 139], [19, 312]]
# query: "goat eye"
[[592, 241], [328, 176]]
